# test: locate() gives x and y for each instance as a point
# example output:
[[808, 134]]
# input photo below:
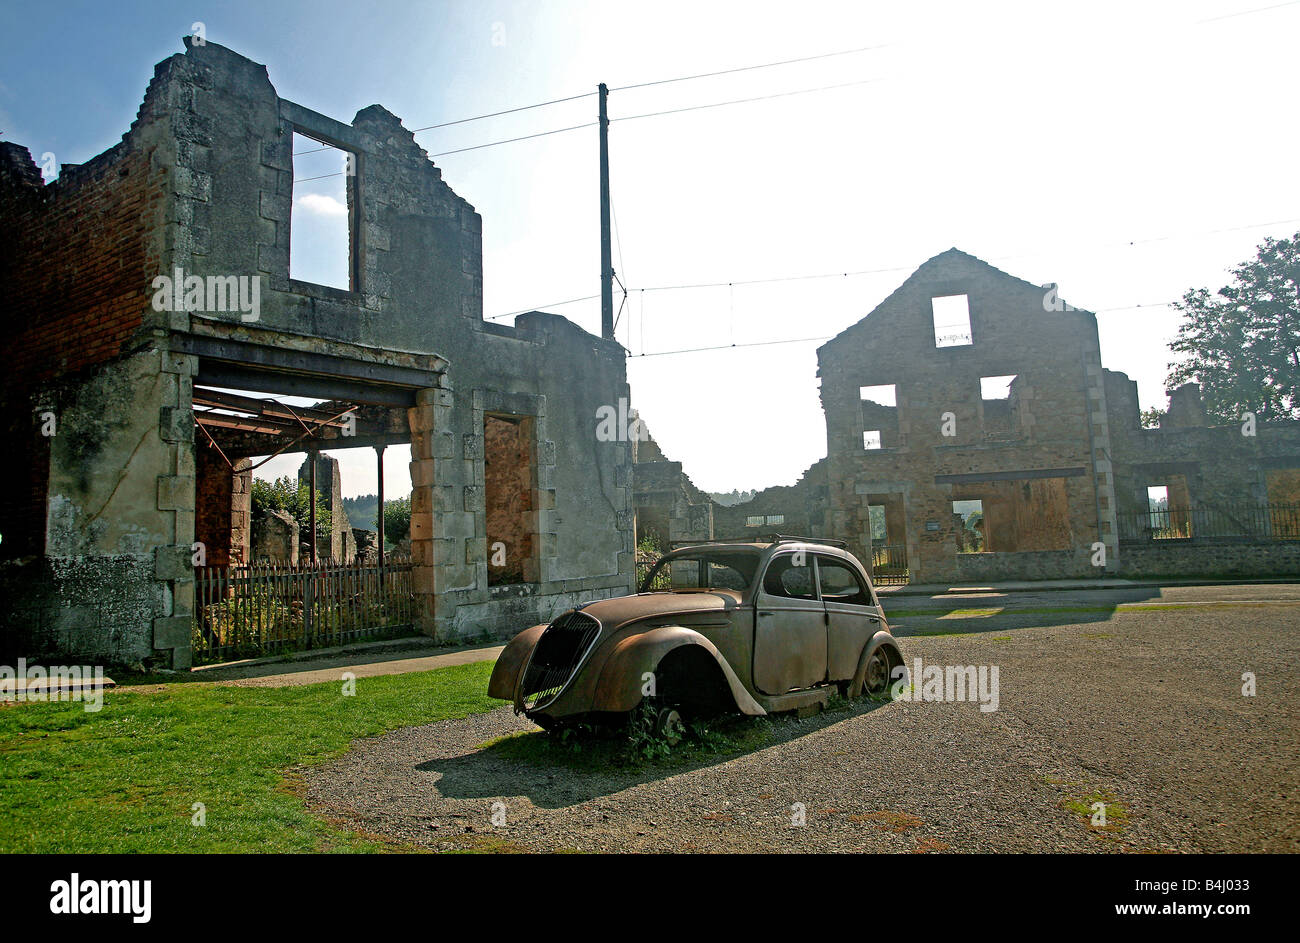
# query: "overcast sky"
[[1127, 151]]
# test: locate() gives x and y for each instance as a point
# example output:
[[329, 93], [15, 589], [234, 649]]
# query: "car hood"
[[623, 609]]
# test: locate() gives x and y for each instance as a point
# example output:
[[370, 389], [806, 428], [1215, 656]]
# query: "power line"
[[901, 268], [553, 304], [1228, 16], [809, 340], [748, 68], [508, 111], [742, 101], [461, 150], [540, 134], [683, 78], [656, 114]]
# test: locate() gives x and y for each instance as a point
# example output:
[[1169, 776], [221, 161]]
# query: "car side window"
[[784, 578], [841, 583]]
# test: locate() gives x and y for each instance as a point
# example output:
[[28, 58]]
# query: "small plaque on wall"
[[931, 525]]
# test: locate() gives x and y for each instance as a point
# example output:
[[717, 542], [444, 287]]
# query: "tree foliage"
[[291, 496], [397, 520], [1242, 344]]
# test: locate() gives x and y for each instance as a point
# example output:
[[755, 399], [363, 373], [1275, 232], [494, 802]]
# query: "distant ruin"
[[971, 424]]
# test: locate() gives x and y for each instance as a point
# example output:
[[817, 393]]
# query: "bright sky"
[[1128, 151]]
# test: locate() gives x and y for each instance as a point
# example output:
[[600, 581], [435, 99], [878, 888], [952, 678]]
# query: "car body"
[[757, 627]]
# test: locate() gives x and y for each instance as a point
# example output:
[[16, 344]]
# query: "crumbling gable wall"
[[1059, 430]]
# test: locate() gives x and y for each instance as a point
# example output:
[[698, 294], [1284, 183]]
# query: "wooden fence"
[[261, 609]]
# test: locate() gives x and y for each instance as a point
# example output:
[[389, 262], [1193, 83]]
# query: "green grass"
[[125, 779], [1116, 811]]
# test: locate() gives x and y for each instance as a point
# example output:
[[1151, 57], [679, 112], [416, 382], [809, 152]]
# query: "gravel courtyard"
[[1141, 709]]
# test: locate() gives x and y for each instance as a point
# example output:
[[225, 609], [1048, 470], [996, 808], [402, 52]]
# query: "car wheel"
[[669, 726], [875, 681]]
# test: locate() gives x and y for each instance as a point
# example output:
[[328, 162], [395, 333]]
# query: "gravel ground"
[[1143, 710]]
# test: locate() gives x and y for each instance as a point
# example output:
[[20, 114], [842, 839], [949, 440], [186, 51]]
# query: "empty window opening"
[[1024, 515], [951, 321], [1283, 486], [1167, 515], [508, 476], [968, 519], [998, 404], [996, 387], [320, 221], [876, 514], [1158, 497], [879, 416], [882, 395]]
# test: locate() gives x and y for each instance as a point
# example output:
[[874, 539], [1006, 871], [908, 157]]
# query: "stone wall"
[[275, 539], [952, 444], [203, 183], [340, 546], [1225, 559]]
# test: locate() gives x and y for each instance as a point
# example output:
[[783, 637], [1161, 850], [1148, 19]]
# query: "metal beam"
[[302, 361], [265, 407], [235, 376]]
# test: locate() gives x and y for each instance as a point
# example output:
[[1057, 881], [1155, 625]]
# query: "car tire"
[[875, 678], [669, 726]]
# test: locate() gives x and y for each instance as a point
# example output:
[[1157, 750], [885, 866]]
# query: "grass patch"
[[1086, 807], [125, 779]]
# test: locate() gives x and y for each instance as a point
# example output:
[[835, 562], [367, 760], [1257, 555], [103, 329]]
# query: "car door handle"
[[766, 613]]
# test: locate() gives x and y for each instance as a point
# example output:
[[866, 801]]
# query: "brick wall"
[[76, 261]]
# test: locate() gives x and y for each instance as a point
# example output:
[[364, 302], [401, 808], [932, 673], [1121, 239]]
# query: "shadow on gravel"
[[977, 612], [553, 775]]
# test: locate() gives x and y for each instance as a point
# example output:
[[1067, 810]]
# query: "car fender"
[[623, 673], [876, 641], [511, 661]]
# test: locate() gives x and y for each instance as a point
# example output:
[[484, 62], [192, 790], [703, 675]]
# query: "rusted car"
[[757, 628]]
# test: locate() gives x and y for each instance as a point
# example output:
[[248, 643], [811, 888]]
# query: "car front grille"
[[556, 657]]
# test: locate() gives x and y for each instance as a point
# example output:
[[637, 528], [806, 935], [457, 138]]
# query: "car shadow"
[[553, 775], [979, 611]]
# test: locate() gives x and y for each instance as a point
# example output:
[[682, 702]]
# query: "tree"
[[286, 494], [397, 520], [1151, 418], [1242, 345]]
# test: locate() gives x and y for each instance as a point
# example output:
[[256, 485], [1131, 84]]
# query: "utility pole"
[[606, 256]]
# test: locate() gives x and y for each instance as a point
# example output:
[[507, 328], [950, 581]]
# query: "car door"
[[852, 616], [789, 626]]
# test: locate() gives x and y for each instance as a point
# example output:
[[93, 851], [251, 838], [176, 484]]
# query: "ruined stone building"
[[974, 435], [669, 508], [980, 421], [110, 480]]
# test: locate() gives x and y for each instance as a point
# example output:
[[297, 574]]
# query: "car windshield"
[[702, 569]]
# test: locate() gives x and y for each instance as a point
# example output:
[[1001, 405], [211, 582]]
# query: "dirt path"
[[1143, 712]]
